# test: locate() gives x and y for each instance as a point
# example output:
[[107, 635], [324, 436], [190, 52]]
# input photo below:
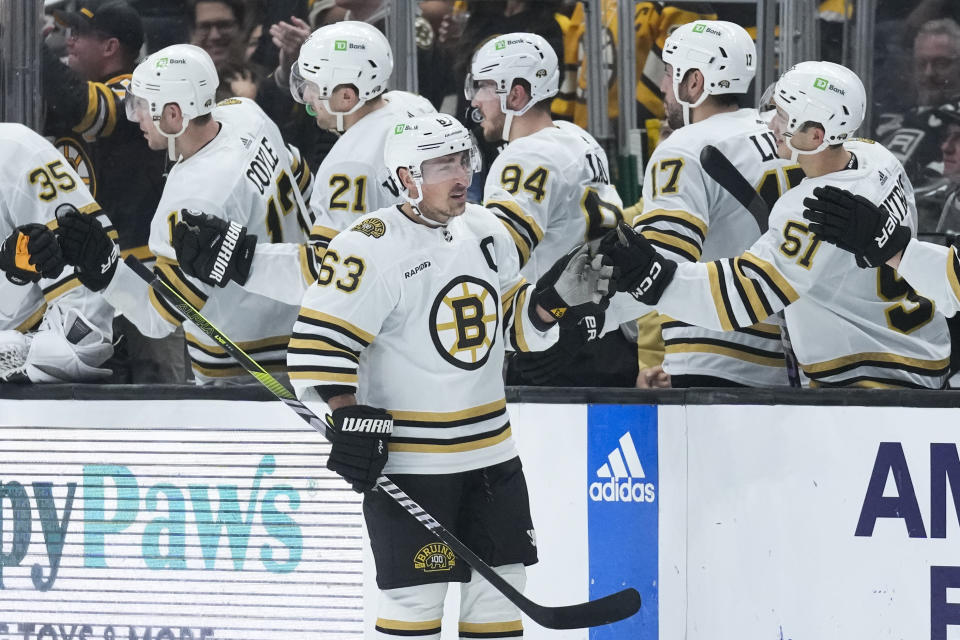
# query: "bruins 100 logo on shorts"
[[464, 320], [435, 556]]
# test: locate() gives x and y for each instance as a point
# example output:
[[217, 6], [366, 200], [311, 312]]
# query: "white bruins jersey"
[[36, 179], [552, 191], [689, 217], [244, 175], [934, 271], [352, 179], [415, 320], [848, 326]]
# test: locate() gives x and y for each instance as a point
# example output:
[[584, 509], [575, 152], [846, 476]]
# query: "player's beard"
[[493, 132], [674, 114]]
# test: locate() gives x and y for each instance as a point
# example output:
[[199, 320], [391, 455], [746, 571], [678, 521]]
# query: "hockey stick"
[[719, 167], [592, 613]]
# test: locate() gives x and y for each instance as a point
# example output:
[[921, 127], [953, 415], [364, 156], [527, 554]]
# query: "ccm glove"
[[212, 249], [29, 253], [641, 271], [574, 280], [359, 435], [87, 247], [854, 224], [579, 326]]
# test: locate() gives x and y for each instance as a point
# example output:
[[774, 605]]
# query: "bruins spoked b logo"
[[464, 320]]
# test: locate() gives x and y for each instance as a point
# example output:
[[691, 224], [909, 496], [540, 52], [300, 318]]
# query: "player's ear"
[[171, 119], [518, 96], [694, 82], [406, 180]]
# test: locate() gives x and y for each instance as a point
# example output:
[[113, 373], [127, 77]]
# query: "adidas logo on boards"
[[620, 472]]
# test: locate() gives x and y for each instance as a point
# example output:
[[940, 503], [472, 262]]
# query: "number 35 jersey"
[[552, 191], [415, 320], [245, 174], [848, 326]]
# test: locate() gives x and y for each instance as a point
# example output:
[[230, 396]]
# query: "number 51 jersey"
[[414, 319]]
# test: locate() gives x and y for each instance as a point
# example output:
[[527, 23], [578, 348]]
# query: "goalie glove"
[[213, 250], [854, 224], [359, 437], [573, 280], [641, 270], [29, 253], [86, 245]]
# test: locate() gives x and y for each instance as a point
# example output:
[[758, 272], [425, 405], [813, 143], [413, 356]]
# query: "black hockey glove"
[[854, 224], [641, 270], [213, 250], [87, 247], [359, 436], [574, 280], [29, 253], [578, 327]]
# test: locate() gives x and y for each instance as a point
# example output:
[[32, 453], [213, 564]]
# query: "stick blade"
[[611, 608]]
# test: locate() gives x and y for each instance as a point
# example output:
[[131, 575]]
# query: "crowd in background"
[[915, 91]]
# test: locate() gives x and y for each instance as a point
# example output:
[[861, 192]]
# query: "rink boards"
[[217, 519]]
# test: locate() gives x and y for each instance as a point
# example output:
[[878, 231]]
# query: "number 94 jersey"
[[416, 319], [552, 191]]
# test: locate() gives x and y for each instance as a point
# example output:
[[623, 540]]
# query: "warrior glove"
[[86, 245], [29, 253], [359, 435], [641, 270], [212, 249], [854, 224]]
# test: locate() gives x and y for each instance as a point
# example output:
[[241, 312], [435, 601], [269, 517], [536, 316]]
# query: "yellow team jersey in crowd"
[[653, 22], [934, 271], [690, 217], [36, 179], [352, 179], [552, 191], [245, 174], [848, 326], [416, 319]]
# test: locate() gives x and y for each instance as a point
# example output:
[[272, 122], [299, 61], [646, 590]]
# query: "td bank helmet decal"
[[464, 321]]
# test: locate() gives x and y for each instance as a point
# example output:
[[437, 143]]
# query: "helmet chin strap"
[[171, 140], [795, 153], [684, 105], [415, 205], [340, 114]]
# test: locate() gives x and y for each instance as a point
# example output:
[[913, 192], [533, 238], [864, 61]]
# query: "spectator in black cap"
[[86, 119]]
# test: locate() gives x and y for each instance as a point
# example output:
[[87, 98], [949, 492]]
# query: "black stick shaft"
[[611, 608]]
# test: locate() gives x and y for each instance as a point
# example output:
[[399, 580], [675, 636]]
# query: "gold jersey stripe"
[[91, 113], [491, 627], [726, 322], [518, 320], [934, 366], [140, 253], [687, 247], [450, 416], [320, 231], [953, 273], [67, 285], [775, 276], [231, 372], [410, 447], [749, 287], [862, 384], [32, 320], [111, 121], [681, 216], [278, 342], [523, 246], [323, 376], [512, 210], [403, 625], [307, 264], [729, 352], [343, 324], [184, 288], [509, 296], [159, 305]]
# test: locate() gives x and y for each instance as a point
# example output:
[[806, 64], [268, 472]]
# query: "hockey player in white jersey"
[[51, 328], [689, 217], [232, 174], [412, 313], [875, 236], [341, 76], [550, 186], [848, 326]]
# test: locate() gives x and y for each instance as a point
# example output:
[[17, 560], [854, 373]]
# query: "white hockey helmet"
[[414, 143], [349, 52], [182, 74], [511, 57], [722, 51], [823, 92]]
